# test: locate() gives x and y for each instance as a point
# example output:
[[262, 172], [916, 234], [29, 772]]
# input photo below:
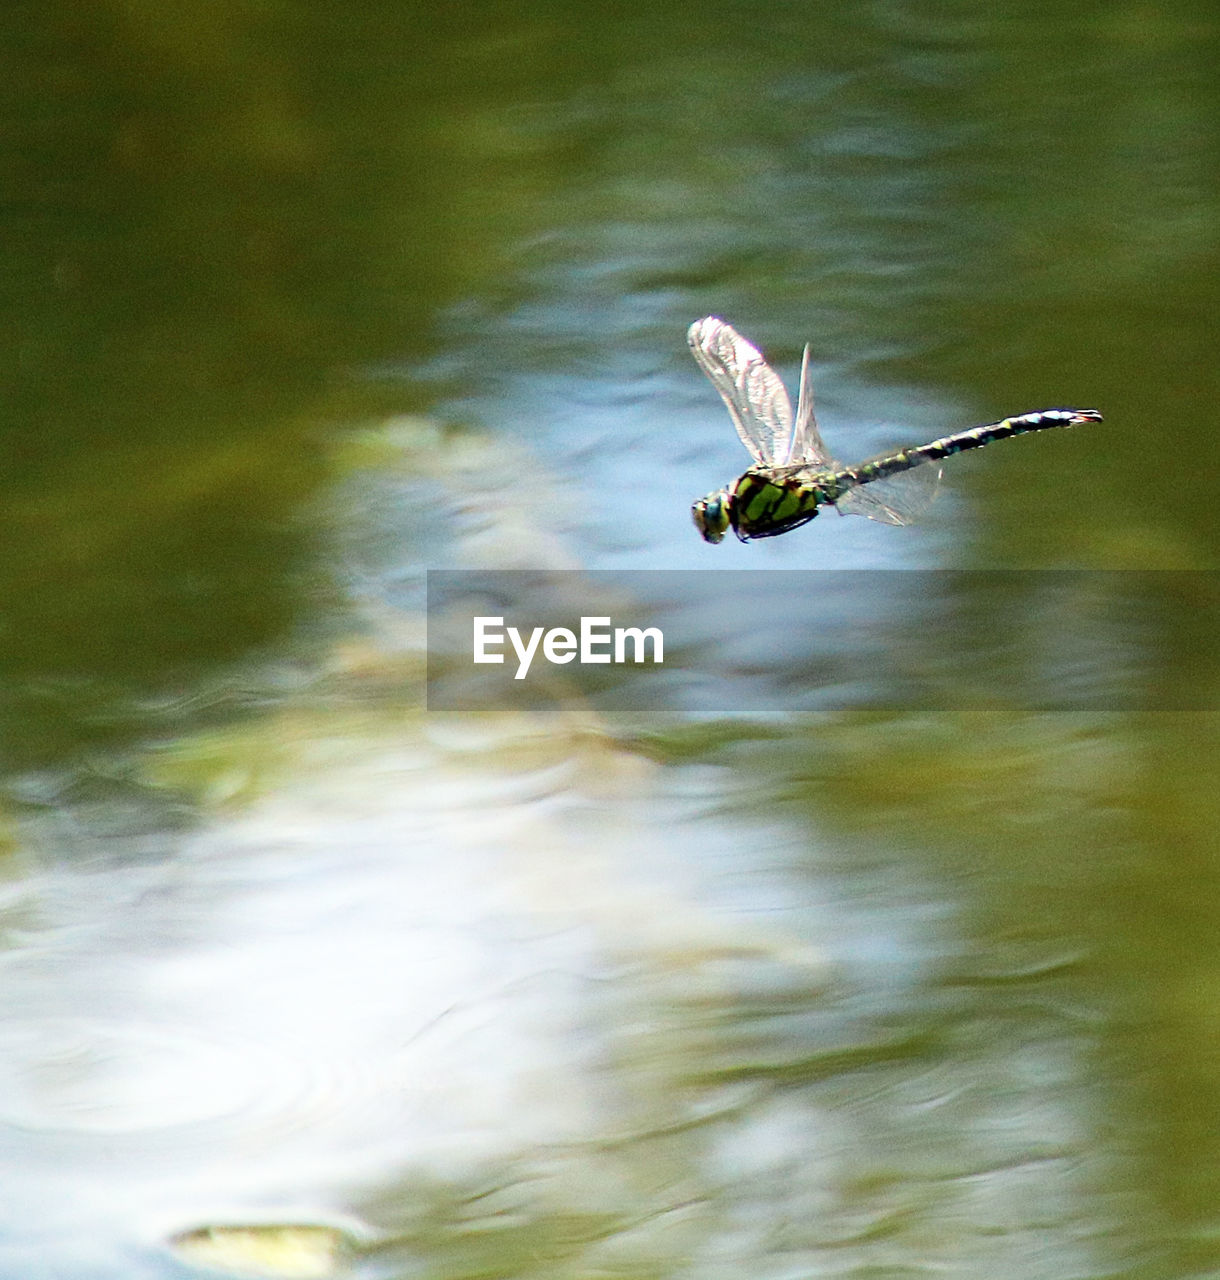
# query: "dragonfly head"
[[711, 515]]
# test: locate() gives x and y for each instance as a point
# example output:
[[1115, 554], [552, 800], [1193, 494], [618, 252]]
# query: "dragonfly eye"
[[711, 515]]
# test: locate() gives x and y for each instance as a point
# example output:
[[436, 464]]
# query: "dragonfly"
[[794, 475]]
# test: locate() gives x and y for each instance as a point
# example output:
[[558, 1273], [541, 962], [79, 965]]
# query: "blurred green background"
[[300, 300]]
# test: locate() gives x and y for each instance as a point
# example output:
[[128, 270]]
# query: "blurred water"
[[301, 304]]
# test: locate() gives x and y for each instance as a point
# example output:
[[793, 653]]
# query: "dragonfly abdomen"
[[974, 438]]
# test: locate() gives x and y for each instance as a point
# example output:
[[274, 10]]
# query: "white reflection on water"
[[483, 990], [426, 961]]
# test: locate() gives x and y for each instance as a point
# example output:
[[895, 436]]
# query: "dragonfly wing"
[[752, 390], [900, 499], [807, 443]]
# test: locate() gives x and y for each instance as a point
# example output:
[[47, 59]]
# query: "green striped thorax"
[[760, 504]]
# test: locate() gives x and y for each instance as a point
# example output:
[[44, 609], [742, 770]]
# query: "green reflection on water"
[[214, 218], [206, 230], [1080, 857]]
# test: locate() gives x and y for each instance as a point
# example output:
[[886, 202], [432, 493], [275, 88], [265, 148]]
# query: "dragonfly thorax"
[[760, 504], [767, 502]]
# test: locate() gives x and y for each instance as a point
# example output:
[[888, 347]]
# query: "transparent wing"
[[901, 499], [807, 443], [752, 390]]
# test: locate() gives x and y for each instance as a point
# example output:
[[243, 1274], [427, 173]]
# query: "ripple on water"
[[89, 1077]]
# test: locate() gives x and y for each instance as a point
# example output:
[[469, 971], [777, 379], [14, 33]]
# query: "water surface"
[[301, 304]]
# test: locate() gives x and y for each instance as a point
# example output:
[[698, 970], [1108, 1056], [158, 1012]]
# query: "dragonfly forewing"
[[756, 399]]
